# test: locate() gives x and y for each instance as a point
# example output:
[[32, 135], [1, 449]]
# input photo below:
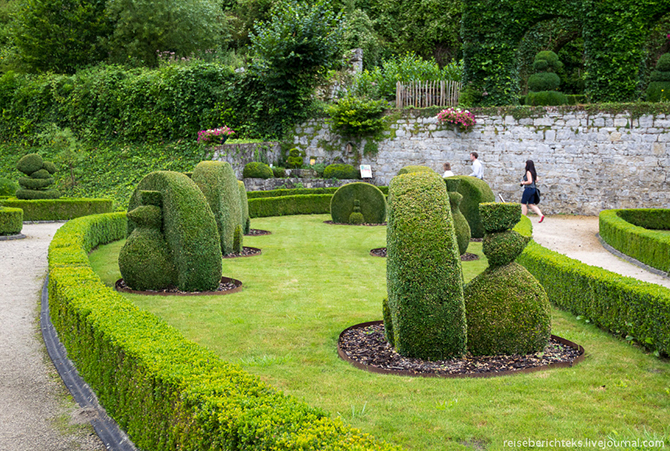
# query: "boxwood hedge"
[[167, 392], [474, 192], [372, 203], [309, 204], [300, 191], [11, 221], [58, 209]]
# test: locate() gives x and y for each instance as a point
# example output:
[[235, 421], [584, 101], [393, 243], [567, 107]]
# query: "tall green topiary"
[[188, 225], [543, 84], [474, 192], [409, 169], [246, 220], [659, 88], [424, 277], [507, 308], [217, 182], [39, 178], [372, 204], [461, 225]]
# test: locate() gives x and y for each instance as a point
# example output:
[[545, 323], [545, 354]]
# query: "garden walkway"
[[36, 411], [575, 236]]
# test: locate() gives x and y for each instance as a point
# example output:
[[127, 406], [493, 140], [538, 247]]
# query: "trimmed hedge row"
[[58, 209], [11, 221], [299, 191], [165, 391], [631, 231], [309, 204]]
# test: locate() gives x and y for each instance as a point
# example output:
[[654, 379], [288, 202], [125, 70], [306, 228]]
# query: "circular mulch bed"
[[246, 252], [476, 240], [365, 347], [346, 223], [381, 252], [257, 232], [20, 236], [226, 286]]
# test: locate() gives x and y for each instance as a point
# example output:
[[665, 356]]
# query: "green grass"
[[313, 280]]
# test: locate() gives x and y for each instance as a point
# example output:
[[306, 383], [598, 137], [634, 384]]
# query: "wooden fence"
[[427, 93]]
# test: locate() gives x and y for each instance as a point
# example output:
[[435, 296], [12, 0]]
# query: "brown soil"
[[226, 286], [257, 232], [346, 223], [246, 252]]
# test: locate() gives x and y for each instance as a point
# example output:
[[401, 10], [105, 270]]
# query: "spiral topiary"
[[424, 312], [543, 84], [372, 204], [507, 309], [39, 178], [461, 225], [659, 87]]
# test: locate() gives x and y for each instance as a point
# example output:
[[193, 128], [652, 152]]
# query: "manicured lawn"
[[313, 280]]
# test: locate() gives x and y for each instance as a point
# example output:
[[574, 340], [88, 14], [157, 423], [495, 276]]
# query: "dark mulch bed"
[[381, 252], [257, 232], [246, 252], [226, 286], [476, 240], [346, 223], [366, 346]]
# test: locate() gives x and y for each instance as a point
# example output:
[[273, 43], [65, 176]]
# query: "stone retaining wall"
[[238, 155]]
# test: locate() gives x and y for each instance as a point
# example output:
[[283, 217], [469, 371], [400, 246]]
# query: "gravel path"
[[36, 411], [575, 236]]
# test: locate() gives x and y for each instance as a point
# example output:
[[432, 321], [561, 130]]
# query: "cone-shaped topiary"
[[424, 278], [245, 207], [409, 169], [460, 223], [188, 225], [39, 178], [507, 308], [544, 83], [371, 201], [217, 182], [659, 87], [474, 192]]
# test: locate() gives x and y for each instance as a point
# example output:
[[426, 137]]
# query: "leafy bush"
[[257, 170], [295, 158], [7, 187], [659, 88], [410, 169], [544, 81], [474, 192], [39, 178], [309, 204], [498, 217], [246, 221], [189, 227], [356, 117], [545, 98], [341, 171], [319, 168], [424, 278], [634, 233], [11, 221], [58, 209], [216, 180], [461, 225], [371, 203], [278, 172]]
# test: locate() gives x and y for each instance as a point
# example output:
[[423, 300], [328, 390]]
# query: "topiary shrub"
[[372, 204], [279, 172], [410, 169], [507, 309], [256, 170], [246, 220], [189, 227], [8, 187], [461, 225], [659, 87], [546, 98], [217, 182], [295, 158], [39, 178], [544, 83], [341, 171], [11, 221], [424, 277], [474, 192]]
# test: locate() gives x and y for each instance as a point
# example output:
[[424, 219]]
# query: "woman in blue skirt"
[[528, 198]]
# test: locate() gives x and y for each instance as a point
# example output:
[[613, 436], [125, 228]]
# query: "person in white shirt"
[[477, 169], [447, 170]]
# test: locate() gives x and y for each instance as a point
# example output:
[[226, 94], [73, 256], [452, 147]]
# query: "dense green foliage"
[[498, 217], [216, 180], [638, 233], [58, 209], [39, 178], [258, 170], [545, 98], [474, 192], [544, 83], [461, 225], [424, 278], [295, 158], [371, 204], [133, 360], [300, 191], [244, 202], [189, 227], [7, 187], [659, 88], [356, 117], [307, 204], [341, 171], [11, 221], [410, 169]]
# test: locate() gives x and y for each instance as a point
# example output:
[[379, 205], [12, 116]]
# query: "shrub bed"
[[165, 391], [11, 221], [290, 205], [58, 209], [633, 232]]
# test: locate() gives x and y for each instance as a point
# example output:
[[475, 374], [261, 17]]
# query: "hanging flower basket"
[[462, 119]]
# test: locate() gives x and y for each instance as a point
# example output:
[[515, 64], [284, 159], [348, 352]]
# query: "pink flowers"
[[455, 116], [214, 137]]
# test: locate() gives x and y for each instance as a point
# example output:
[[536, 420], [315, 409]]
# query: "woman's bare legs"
[[524, 209], [535, 209]]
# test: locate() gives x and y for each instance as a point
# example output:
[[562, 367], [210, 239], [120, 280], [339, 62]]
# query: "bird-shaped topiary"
[[544, 83], [659, 88], [39, 178]]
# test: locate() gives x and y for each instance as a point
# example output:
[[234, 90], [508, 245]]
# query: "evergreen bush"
[[409, 169], [307, 204], [474, 192], [341, 171], [11, 221], [39, 178], [257, 170], [246, 221], [424, 278], [372, 204], [546, 98], [8, 187], [461, 225], [295, 158], [659, 87], [278, 172], [544, 83], [58, 209]]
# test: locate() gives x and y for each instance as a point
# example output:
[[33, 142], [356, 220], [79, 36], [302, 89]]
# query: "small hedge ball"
[[341, 171], [11, 221], [257, 170], [474, 192], [372, 204], [410, 169], [30, 163]]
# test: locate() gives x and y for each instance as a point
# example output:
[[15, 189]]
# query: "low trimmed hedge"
[[167, 392], [11, 221], [309, 204], [299, 191], [633, 232], [58, 209]]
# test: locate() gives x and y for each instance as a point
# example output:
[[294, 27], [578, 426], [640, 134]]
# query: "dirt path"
[[36, 411], [575, 236]]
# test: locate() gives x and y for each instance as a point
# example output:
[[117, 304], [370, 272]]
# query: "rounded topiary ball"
[[257, 170], [30, 163], [663, 63], [544, 81], [507, 312], [371, 199]]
